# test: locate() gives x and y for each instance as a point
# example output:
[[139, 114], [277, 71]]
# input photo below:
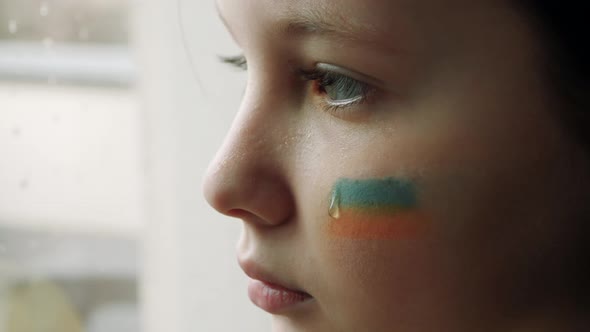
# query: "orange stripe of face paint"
[[374, 226]]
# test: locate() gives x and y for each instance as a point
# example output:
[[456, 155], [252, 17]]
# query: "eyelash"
[[321, 79], [238, 61]]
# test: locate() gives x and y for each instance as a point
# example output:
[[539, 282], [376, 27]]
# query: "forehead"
[[369, 20], [287, 7], [396, 22]]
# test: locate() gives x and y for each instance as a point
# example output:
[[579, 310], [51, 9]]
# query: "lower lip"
[[275, 299]]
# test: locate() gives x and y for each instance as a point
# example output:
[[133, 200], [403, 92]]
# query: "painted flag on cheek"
[[375, 209]]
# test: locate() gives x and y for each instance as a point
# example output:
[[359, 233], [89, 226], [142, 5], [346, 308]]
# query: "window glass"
[[70, 188], [72, 21]]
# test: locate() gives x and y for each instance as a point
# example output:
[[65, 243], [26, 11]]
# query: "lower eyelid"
[[354, 112], [346, 102]]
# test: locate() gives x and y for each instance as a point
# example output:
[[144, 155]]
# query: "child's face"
[[411, 183]]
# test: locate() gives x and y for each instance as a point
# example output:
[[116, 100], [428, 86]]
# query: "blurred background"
[[110, 111]]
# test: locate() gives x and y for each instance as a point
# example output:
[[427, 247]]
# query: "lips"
[[271, 294], [273, 298]]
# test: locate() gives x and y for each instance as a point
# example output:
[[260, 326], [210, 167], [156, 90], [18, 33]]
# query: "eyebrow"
[[315, 22]]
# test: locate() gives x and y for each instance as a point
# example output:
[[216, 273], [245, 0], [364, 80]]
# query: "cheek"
[[387, 281], [375, 250]]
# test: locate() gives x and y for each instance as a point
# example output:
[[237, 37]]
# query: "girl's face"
[[396, 164]]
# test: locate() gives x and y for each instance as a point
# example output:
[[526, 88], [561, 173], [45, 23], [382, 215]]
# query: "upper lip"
[[256, 272]]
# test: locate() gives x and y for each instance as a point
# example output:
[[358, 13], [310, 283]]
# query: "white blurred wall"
[[191, 281]]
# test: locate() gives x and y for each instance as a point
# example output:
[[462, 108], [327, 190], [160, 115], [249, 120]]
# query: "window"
[[70, 188]]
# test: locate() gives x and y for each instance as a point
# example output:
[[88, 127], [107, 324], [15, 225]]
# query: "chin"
[[310, 322]]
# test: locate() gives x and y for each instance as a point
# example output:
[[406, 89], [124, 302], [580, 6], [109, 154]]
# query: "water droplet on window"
[[44, 9], [12, 26]]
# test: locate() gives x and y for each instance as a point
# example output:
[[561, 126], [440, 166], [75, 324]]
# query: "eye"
[[238, 61], [336, 85], [340, 90]]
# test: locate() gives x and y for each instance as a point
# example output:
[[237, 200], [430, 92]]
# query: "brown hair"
[[565, 30]]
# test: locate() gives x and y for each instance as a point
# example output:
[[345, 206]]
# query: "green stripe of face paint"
[[375, 193]]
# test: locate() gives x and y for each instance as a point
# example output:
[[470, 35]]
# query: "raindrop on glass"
[[12, 26], [44, 9]]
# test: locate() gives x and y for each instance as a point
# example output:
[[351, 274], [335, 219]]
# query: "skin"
[[462, 109]]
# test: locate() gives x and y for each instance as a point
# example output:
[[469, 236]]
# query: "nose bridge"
[[247, 177], [254, 132]]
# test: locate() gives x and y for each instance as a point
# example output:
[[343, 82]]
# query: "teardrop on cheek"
[[334, 210]]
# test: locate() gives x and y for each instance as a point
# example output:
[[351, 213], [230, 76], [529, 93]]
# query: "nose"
[[248, 177]]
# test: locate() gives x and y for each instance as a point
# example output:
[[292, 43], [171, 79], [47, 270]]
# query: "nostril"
[[248, 217]]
